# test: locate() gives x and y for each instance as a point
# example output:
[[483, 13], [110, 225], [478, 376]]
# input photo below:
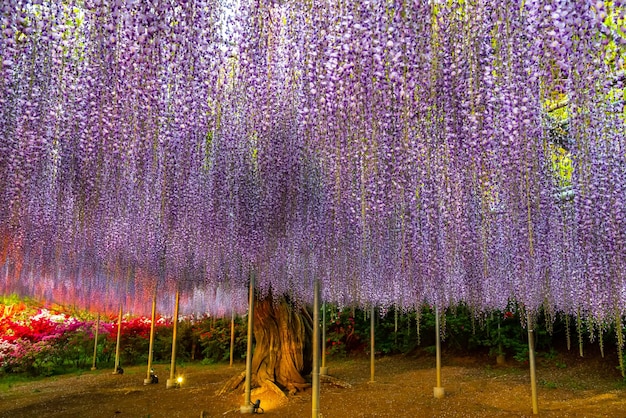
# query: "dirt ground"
[[475, 387]]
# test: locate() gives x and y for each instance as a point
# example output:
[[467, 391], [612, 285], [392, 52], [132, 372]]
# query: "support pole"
[[172, 382], [620, 343], [531, 362], [395, 326], [500, 358], [372, 345], [438, 391], [247, 408], [148, 378], [579, 328], [95, 344], [315, 374], [323, 369], [116, 368], [232, 337]]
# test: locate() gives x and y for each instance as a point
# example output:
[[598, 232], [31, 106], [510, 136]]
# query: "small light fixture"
[[256, 407], [174, 383]]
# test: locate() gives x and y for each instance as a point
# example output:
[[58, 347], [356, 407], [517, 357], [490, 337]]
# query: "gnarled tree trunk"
[[283, 352]]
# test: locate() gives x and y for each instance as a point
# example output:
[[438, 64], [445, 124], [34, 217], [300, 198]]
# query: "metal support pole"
[[323, 369], [232, 337], [247, 408], [438, 391], [148, 379], [117, 345], [95, 344], [315, 374], [531, 361], [372, 345], [172, 382]]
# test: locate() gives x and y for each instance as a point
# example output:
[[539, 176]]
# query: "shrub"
[[214, 339], [344, 333]]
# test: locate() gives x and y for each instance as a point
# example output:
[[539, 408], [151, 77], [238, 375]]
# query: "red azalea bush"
[[342, 335], [40, 341], [43, 343]]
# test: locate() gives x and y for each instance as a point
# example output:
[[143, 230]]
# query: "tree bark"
[[283, 352]]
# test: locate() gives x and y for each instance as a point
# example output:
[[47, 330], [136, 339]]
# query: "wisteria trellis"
[[399, 151]]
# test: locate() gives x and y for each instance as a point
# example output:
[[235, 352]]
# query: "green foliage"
[[7, 381], [462, 332], [548, 384], [214, 337], [345, 332], [78, 350], [134, 347], [503, 334], [43, 347]]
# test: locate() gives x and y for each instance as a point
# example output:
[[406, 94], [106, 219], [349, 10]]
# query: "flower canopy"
[[400, 151]]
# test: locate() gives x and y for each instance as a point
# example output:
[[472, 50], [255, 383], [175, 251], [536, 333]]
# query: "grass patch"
[[548, 384], [620, 384], [575, 384], [7, 381]]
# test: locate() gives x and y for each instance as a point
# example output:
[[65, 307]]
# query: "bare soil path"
[[475, 387]]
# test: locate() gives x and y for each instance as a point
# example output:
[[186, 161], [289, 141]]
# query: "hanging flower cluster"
[[402, 152]]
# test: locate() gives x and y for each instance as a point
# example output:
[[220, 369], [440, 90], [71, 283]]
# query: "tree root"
[[270, 386], [293, 387], [236, 381], [232, 384]]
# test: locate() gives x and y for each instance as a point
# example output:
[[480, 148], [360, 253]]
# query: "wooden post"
[[500, 357], [247, 408], [117, 345], [567, 333], [531, 361], [95, 344], [148, 379], [323, 369], [315, 374], [232, 337], [395, 326], [6, 272], [579, 328], [438, 391], [620, 343], [172, 382], [372, 344]]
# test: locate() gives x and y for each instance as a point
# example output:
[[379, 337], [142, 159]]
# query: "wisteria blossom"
[[402, 152]]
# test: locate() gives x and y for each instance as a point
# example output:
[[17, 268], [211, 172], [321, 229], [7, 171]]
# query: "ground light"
[[152, 379], [174, 383]]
